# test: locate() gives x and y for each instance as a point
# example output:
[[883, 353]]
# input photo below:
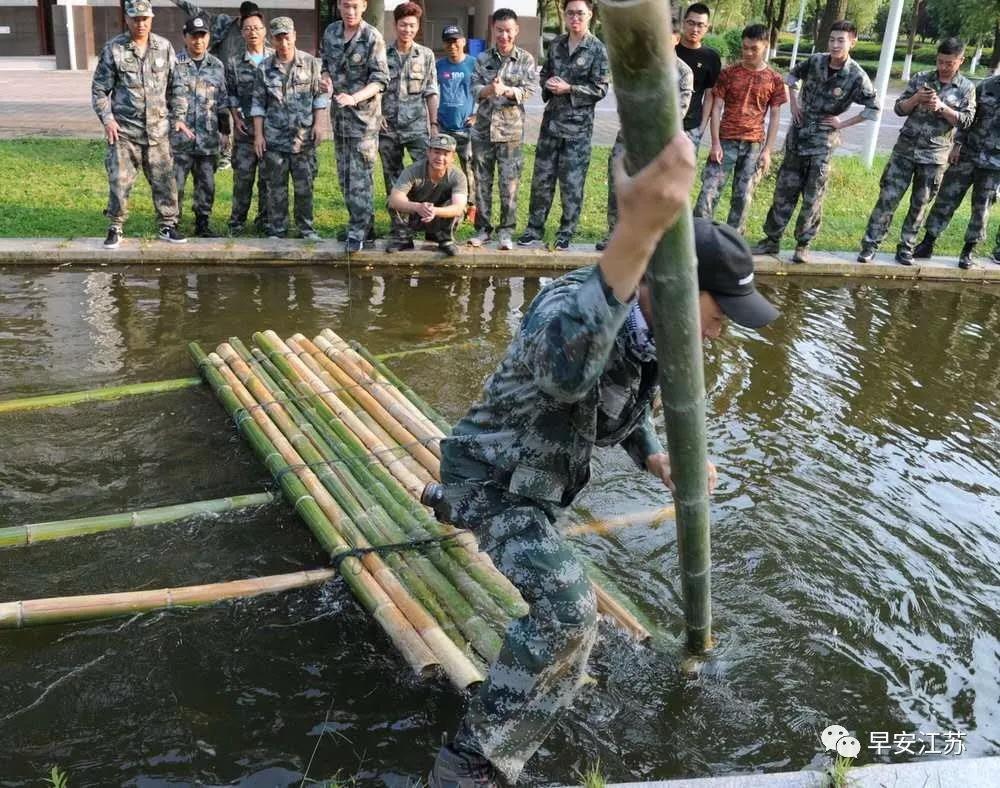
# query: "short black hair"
[[249, 9], [251, 15], [502, 15], [844, 26], [590, 4], [951, 46], [756, 33], [698, 8]]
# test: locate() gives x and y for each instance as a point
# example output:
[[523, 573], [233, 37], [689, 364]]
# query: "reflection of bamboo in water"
[[651, 518]]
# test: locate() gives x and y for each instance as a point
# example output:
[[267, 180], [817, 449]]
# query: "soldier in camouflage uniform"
[[288, 102], [580, 372], [241, 73], [934, 103], [409, 103], [685, 89], [975, 162], [133, 94], [574, 78], [226, 43], [354, 63], [503, 80], [829, 84], [203, 79]]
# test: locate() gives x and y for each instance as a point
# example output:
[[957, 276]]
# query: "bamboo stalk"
[[653, 518], [427, 349], [455, 664], [96, 395], [638, 35], [18, 535], [399, 630], [33, 612]]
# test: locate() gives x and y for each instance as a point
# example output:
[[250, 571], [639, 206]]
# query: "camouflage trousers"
[[278, 166], [565, 160], [543, 660], [463, 142], [356, 174], [896, 179], [246, 169], [406, 225], [202, 170], [799, 175], [508, 159], [618, 149], [741, 158], [123, 161], [957, 180], [390, 151]]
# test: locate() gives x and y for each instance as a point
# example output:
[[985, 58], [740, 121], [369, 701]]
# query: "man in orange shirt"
[[744, 94]]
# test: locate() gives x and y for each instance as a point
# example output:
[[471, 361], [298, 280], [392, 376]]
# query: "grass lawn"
[[62, 190]]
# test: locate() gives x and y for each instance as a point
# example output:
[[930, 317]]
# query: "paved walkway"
[[262, 251], [57, 104]]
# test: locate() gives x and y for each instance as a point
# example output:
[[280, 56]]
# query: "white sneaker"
[[480, 238], [506, 242]]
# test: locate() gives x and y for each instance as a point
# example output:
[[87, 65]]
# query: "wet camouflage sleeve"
[[643, 441]]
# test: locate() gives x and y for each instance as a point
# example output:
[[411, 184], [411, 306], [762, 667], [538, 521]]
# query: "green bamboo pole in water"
[[97, 395], [638, 37], [18, 535]]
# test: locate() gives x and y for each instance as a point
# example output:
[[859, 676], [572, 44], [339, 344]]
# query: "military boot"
[[925, 249], [765, 246], [202, 228], [965, 259]]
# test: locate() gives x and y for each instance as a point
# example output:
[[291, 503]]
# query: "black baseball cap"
[[725, 270], [196, 24], [452, 32]]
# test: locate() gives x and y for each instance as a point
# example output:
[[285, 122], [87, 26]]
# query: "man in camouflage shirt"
[[134, 95], [975, 162], [354, 63], [934, 104], [829, 84], [581, 372], [685, 91], [574, 78], [409, 103], [503, 80], [288, 102], [241, 73], [203, 80]]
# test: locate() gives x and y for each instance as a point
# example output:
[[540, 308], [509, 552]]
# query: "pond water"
[[856, 539]]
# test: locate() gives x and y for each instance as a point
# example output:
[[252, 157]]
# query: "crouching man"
[[429, 195]]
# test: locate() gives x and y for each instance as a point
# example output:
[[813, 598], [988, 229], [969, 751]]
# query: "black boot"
[[202, 229], [925, 249], [965, 259]]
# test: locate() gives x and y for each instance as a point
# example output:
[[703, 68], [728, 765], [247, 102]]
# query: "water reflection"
[[856, 546]]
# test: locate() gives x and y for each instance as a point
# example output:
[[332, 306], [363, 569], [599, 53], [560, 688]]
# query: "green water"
[[855, 539]]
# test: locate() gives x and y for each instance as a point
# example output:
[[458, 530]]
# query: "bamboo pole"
[[96, 395], [432, 588], [399, 630], [19, 535], [55, 610], [653, 518], [455, 664], [414, 351], [638, 38]]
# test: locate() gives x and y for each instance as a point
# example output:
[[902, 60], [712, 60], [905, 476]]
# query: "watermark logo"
[[838, 739]]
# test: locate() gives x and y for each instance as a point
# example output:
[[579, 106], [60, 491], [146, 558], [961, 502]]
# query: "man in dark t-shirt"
[[430, 195], [706, 65]]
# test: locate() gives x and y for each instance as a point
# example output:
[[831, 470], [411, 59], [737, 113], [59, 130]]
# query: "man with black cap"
[[202, 78], [457, 106], [581, 372], [429, 195]]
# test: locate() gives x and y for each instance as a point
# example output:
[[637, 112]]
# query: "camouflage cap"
[[442, 142], [282, 25], [135, 8]]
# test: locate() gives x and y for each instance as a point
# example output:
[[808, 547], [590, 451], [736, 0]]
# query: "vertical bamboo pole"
[[638, 37]]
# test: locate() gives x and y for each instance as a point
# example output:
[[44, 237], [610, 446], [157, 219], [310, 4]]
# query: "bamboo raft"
[[352, 447]]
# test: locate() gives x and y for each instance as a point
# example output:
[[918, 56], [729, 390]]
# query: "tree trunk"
[[834, 11], [375, 15], [912, 40], [995, 57]]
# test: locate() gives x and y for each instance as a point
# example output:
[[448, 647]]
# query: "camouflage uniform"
[[137, 92], [563, 150], [685, 89], [351, 66], [240, 75], [809, 146], [418, 187], [498, 132], [978, 166], [742, 158], [204, 85], [520, 456], [405, 125], [286, 95], [920, 156]]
